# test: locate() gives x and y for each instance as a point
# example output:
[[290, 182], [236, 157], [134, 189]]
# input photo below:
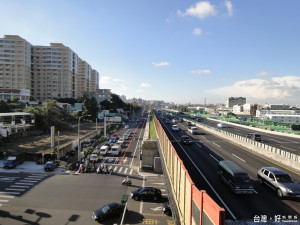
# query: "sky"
[[180, 51]]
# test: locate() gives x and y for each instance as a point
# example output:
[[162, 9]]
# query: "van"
[[115, 150], [103, 150], [235, 177]]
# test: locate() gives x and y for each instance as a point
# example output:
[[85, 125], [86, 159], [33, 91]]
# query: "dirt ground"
[[42, 143]]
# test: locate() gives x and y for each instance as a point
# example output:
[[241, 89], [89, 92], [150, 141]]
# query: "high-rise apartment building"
[[15, 63], [48, 72]]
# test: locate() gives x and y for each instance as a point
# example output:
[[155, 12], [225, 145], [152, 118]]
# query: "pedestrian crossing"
[[19, 187]]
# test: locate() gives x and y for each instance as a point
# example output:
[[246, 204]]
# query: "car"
[[279, 181], [175, 120], [222, 125], [108, 145], [103, 150], [149, 193], [185, 139], [112, 140], [188, 123], [175, 128], [166, 209], [115, 135], [126, 127], [121, 140], [125, 136], [109, 210], [94, 158], [49, 166], [254, 136]]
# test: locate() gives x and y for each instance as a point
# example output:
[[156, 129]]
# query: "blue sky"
[[174, 50]]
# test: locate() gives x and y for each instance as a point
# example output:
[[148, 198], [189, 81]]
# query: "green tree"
[[4, 108]]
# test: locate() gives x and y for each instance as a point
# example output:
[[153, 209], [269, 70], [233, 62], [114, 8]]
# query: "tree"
[[4, 108]]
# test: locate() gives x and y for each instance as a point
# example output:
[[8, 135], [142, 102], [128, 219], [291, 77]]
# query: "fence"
[[194, 206]]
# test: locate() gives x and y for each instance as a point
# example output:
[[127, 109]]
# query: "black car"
[[188, 123], [185, 139], [49, 166], [166, 209], [109, 210], [254, 136], [146, 193]]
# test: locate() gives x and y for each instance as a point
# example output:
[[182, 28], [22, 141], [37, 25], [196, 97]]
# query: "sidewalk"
[[30, 167]]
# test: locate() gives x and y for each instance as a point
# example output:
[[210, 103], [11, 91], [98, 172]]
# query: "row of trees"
[[49, 114]]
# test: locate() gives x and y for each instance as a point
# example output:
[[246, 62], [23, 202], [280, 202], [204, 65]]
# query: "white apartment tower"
[[47, 72]]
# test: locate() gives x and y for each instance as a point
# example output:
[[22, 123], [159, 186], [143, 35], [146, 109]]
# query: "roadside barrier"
[[194, 206]]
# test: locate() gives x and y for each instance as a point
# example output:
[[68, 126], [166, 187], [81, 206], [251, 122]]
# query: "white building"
[[230, 102], [284, 118]]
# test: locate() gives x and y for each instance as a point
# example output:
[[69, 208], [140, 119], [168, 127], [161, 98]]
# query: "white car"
[[222, 125], [126, 127], [103, 150], [175, 128], [121, 140]]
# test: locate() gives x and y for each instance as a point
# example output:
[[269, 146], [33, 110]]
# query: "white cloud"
[[105, 80], [263, 74], [197, 31], [145, 85], [161, 64], [123, 87], [140, 91], [199, 72], [228, 5], [118, 80], [201, 10], [284, 89]]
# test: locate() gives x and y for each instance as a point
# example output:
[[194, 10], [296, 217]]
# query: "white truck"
[[193, 130], [115, 150]]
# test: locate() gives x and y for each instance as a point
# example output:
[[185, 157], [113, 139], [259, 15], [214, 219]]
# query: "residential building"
[[45, 72], [230, 102], [15, 64]]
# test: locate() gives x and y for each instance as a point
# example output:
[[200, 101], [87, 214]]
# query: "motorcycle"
[[126, 182]]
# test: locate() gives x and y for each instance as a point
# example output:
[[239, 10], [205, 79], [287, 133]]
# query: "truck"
[[14, 159], [193, 130], [115, 150]]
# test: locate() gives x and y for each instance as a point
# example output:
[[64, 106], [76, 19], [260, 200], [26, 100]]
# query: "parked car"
[[149, 193], [175, 128], [49, 166], [185, 139], [279, 181], [14, 159], [109, 210], [254, 136], [222, 125], [166, 209]]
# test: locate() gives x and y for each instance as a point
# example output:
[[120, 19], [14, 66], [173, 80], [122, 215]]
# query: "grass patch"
[[152, 128]]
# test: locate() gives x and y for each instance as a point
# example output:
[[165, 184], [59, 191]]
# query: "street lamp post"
[[78, 155]]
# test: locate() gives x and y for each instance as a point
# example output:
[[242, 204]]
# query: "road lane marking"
[[216, 144], [125, 171], [4, 200], [142, 203], [17, 186], [29, 181], [120, 170], [6, 196], [131, 171], [198, 145], [115, 168], [238, 157], [9, 193], [214, 157], [32, 179], [25, 183], [14, 189]]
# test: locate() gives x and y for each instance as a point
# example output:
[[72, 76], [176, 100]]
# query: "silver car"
[[279, 181]]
